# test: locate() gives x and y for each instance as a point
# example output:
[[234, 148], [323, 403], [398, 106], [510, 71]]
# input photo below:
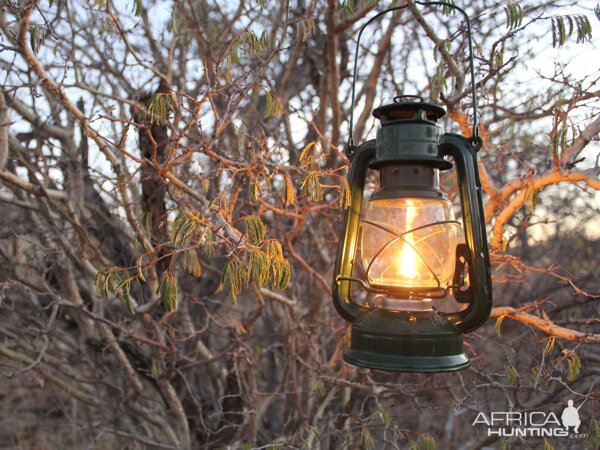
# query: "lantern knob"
[[400, 98], [405, 110]]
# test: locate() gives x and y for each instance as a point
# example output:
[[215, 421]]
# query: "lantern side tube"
[[479, 293], [348, 240]]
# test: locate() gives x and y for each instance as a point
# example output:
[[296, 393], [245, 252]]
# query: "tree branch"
[[546, 325], [590, 177]]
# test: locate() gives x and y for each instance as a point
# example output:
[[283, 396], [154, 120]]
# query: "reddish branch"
[[546, 325]]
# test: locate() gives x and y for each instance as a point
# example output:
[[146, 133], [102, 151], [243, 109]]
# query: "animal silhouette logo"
[[570, 417]]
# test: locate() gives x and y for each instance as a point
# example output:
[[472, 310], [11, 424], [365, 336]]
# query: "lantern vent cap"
[[410, 111]]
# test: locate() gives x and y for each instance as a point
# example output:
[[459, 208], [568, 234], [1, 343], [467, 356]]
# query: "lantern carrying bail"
[[475, 140]]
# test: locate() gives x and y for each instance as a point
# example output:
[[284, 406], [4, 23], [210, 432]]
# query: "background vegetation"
[[172, 178]]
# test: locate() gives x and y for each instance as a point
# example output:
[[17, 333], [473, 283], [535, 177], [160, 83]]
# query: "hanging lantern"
[[406, 239]]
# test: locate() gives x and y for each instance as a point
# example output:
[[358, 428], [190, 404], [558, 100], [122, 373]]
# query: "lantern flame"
[[406, 261]]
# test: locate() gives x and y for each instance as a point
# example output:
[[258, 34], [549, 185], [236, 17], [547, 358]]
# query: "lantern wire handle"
[[471, 65]]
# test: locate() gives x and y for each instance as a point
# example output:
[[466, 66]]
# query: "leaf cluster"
[[167, 290], [274, 106], [311, 160], [513, 376], [158, 108], [594, 434], [192, 228], [248, 43], [118, 281], [424, 442], [563, 27], [305, 27], [36, 37], [258, 264], [574, 364], [192, 231], [514, 15], [255, 229]]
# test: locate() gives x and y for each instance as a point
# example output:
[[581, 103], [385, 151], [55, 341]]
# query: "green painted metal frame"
[[346, 253], [479, 293], [427, 341]]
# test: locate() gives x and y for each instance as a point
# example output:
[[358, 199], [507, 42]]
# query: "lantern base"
[[412, 341]]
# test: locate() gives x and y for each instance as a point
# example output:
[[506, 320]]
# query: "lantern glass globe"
[[409, 244]]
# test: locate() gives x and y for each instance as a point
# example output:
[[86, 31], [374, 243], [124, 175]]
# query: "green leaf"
[[348, 7], [124, 286], [105, 279], [125, 291], [138, 290], [312, 186], [386, 418], [547, 445], [280, 269], [531, 197], [316, 433], [438, 82], [549, 347], [98, 4], [266, 39], [167, 290], [498, 324], [187, 225], [321, 388], [274, 249], [258, 267], [305, 157], [424, 442], [574, 363], [234, 277], [234, 56], [36, 37], [578, 22], [254, 188], [514, 15], [98, 281], [447, 10], [255, 228], [207, 242], [137, 7], [512, 375], [289, 196], [274, 107], [367, 439], [305, 27], [158, 107], [594, 434], [249, 44], [140, 267], [191, 262]]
